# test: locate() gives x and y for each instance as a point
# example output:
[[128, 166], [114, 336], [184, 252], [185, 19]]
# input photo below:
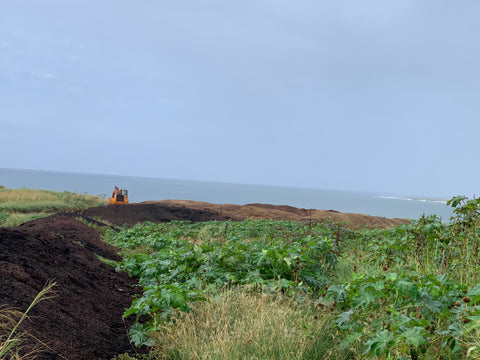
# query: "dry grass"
[[20, 205], [26, 195], [10, 319], [242, 325]]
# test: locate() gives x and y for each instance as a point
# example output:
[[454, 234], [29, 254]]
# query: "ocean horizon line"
[[383, 195], [143, 188]]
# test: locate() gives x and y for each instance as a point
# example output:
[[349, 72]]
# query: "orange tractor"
[[119, 196]]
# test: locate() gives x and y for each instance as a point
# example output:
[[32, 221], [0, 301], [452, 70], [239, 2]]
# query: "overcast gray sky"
[[368, 95]]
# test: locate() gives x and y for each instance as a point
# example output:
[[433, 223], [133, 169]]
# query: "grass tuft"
[[10, 320], [239, 325]]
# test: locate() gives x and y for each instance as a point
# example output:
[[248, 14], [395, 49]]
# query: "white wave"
[[423, 200]]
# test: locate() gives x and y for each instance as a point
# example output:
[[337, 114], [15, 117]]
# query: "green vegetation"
[[241, 324], [276, 289], [20, 205], [263, 289], [180, 262]]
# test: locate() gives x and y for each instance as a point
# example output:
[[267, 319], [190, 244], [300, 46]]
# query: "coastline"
[[148, 189]]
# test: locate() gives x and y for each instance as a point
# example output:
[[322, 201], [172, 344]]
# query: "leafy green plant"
[[466, 237], [177, 263], [405, 314], [409, 292]]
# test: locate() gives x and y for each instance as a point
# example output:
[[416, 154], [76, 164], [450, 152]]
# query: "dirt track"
[[84, 321]]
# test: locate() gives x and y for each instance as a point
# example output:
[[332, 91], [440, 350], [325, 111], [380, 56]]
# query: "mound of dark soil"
[[132, 214], [195, 211], [282, 212], [84, 320]]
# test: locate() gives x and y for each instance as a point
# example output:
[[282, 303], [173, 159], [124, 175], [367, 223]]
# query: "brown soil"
[[167, 210], [84, 320]]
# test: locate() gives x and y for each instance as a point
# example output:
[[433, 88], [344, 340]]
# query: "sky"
[[372, 95]]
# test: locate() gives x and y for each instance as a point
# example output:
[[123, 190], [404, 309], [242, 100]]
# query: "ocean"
[[145, 189]]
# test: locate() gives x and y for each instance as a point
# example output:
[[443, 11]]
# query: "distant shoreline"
[[422, 199], [147, 189]]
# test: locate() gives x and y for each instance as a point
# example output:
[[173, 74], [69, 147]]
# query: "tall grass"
[[237, 325], [29, 201], [26, 195], [32, 207], [10, 320], [20, 205]]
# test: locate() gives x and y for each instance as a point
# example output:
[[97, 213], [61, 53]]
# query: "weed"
[[240, 324], [10, 320]]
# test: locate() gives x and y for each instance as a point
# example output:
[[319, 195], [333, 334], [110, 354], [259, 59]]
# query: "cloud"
[[329, 85]]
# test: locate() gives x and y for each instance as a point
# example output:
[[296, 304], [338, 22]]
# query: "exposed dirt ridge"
[[84, 320], [274, 212], [132, 214]]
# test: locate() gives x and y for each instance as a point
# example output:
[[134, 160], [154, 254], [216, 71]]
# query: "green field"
[[288, 290], [20, 205]]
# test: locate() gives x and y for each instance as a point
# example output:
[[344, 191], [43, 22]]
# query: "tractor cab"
[[119, 196]]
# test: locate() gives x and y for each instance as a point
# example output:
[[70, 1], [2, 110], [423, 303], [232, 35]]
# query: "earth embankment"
[[168, 210], [83, 321]]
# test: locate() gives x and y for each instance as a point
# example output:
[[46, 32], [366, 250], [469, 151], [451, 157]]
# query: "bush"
[[3, 218]]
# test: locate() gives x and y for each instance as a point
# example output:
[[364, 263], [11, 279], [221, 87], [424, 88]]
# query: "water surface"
[[144, 189]]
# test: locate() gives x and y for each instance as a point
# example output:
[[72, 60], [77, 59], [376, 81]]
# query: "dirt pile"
[[132, 214], [278, 212], [84, 320], [168, 210]]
